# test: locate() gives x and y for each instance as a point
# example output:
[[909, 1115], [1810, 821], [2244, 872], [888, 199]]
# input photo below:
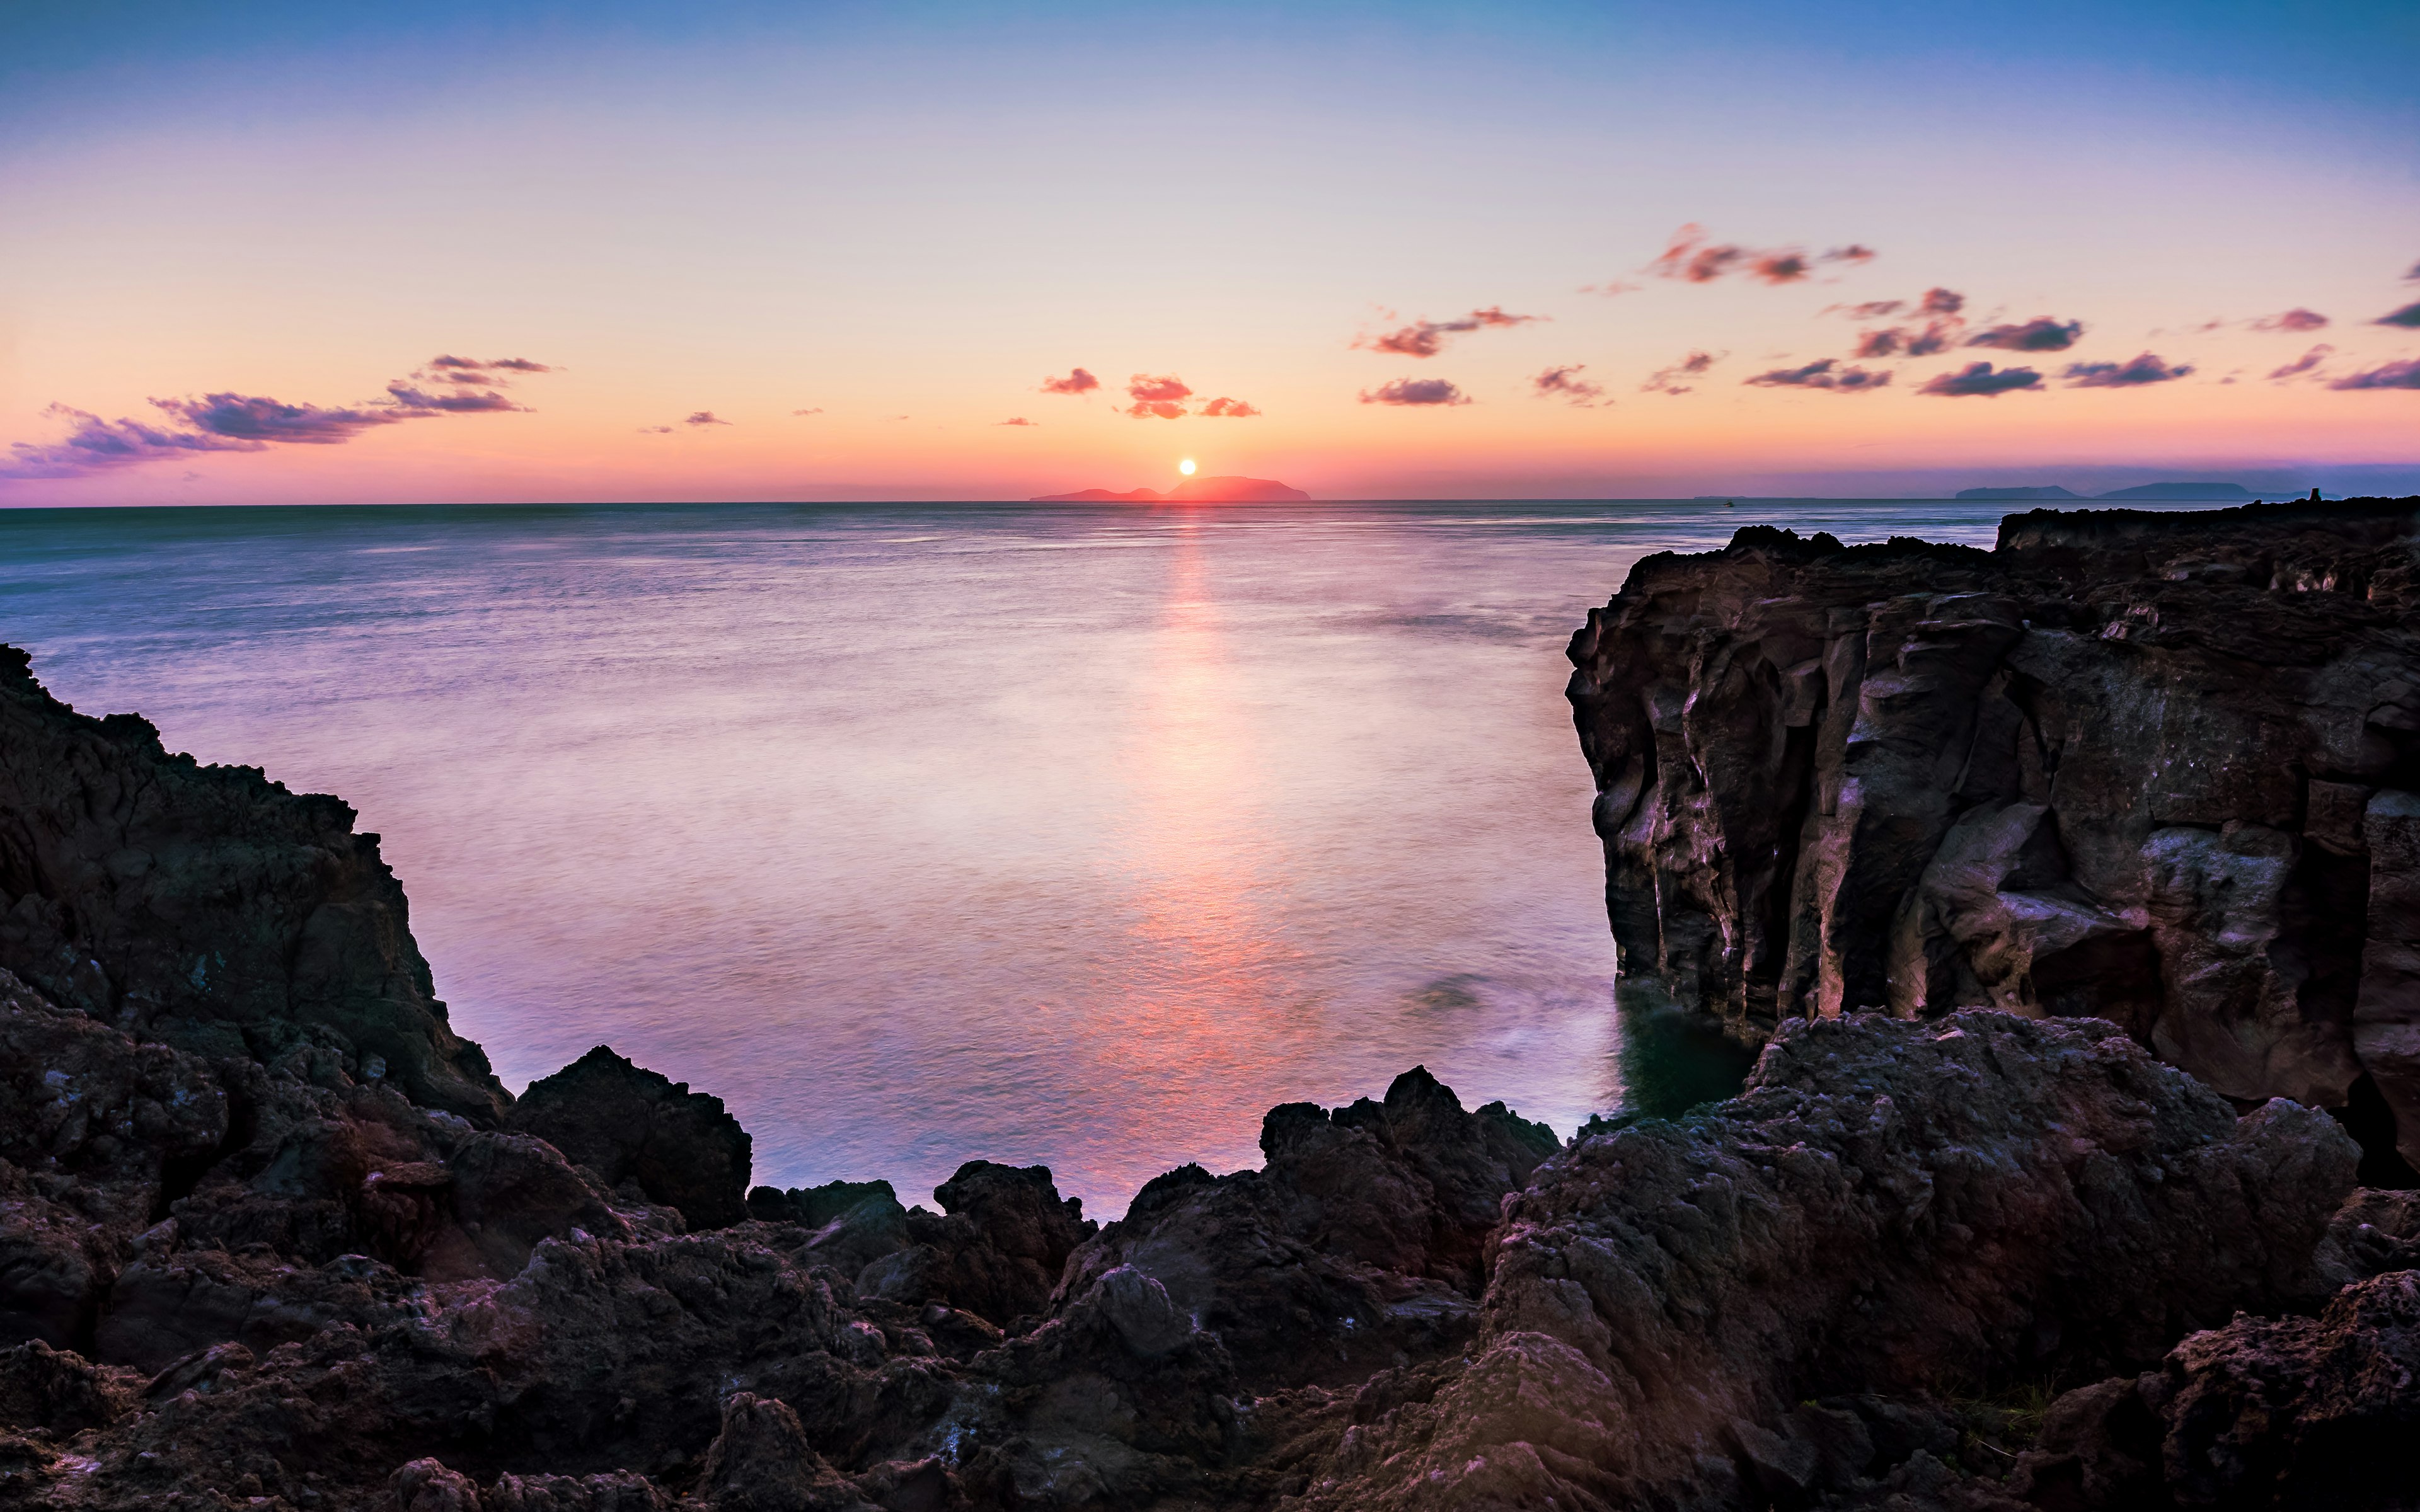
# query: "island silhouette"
[[1191, 491]]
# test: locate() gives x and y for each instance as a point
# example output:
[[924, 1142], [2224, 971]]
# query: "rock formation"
[[238, 1267], [2160, 768], [209, 908]]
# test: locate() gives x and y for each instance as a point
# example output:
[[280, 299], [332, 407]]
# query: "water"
[[919, 833]]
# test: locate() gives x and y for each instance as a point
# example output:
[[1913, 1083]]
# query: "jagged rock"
[[629, 1124], [426, 1486], [1891, 1207], [2159, 768], [618, 1490], [997, 1252], [762, 1462], [207, 906], [60, 1391], [1356, 1247]]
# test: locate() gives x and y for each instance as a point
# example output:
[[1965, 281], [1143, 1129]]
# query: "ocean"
[[919, 833]]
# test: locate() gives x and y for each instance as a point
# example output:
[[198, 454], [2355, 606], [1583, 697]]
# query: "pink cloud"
[[1982, 381], [2304, 363], [1822, 373], [1667, 379], [1691, 257], [1076, 381], [1424, 338], [1147, 389], [1230, 408], [1565, 383], [2297, 319]]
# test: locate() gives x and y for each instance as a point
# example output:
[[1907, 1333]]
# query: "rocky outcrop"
[[2158, 768], [245, 1269], [629, 1124], [209, 908]]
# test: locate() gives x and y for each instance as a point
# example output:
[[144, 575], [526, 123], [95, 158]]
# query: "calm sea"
[[925, 832]]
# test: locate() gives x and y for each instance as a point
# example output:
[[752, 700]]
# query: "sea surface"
[[918, 833]]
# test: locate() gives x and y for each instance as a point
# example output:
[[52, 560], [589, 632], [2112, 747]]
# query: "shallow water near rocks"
[[920, 833]]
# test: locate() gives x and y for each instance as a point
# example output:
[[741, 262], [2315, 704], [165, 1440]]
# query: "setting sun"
[[1185, 467]]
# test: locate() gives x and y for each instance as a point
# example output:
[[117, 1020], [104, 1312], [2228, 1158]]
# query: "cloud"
[[1146, 408], [1566, 383], [2402, 374], [1611, 288], [2044, 334], [705, 417], [1979, 380], [1873, 309], [1425, 338], [2407, 317], [1076, 381], [228, 422], [2305, 363], [1414, 391], [2297, 319], [2143, 369], [1938, 301], [1691, 257], [1667, 379], [1230, 408], [815, 411], [2413, 276], [655, 430], [1883, 343], [1017, 420], [1143, 387], [1822, 373]]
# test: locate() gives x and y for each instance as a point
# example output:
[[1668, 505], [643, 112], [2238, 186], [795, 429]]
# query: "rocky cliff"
[[1986, 1261], [2158, 768]]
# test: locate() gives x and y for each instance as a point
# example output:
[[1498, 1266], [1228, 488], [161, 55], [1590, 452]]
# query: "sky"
[[278, 252]]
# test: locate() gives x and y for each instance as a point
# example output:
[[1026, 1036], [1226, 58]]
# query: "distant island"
[[2147, 490], [1191, 491]]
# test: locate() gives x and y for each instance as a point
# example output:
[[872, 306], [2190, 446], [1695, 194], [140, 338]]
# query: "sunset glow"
[[877, 254]]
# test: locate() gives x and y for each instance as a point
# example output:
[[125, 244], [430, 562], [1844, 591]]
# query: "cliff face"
[[209, 908], [2160, 768]]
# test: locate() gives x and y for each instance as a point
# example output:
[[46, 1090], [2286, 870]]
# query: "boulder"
[[628, 1124]]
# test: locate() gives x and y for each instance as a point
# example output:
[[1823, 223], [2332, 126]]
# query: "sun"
[[1185, 467]]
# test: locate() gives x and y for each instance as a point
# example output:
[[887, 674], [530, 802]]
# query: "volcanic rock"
[[2158, 768], [628, 1124]]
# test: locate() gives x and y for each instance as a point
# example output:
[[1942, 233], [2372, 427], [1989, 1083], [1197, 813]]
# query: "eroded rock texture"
[[2159, 768], [210, 907], [241, 1267]]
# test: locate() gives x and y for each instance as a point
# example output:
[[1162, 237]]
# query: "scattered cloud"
[[1230, 408], [2402, 374], [1691, 257], [1425, 338], [1566, 383], [250, 423], [2296, 318], [1666, 379], [1938, 301], [815, 411], [1822, 373], [1612, 286], [1979, 379], [1939, 307], [1414, 391], [2413, 276], [705, 417], [1143, 386], [655, 430], [2305, 363], [1873, 309], [1157, 396], [2142, 369], [2407, 317], [2044, 334], [1076, 381], [1017, 420]]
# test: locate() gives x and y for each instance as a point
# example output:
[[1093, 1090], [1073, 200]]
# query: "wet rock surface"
[[2161, 768], [1983, 1260]]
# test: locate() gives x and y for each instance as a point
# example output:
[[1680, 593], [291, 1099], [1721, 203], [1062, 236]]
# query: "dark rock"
[[631, 1125], [207, 906], [762, 1462], [2298, 1412], [1892, 1207], [58, 1391], [2157, 768]]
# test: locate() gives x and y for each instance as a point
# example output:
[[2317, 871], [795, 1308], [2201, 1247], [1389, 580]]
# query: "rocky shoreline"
[[272, 1235]]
